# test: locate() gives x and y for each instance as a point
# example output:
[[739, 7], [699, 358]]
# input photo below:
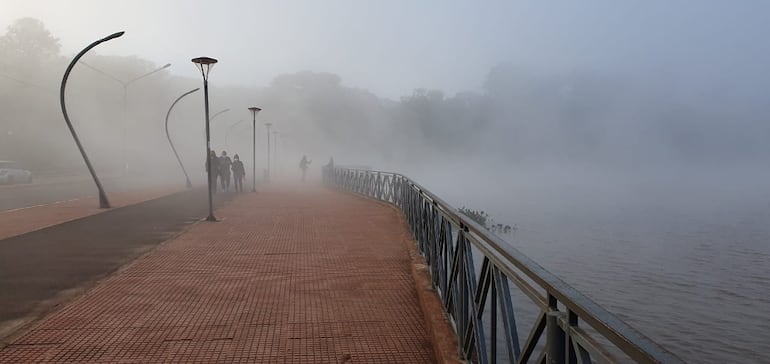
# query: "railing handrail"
[[633, 343]]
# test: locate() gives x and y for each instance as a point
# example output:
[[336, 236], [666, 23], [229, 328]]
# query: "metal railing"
[[575, 329]]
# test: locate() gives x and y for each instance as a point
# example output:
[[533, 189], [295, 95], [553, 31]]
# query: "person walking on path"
[[214, 170], [224, 171], [238, 173], [303, 164]]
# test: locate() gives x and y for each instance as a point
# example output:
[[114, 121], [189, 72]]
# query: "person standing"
[[224, 171], [303, 164], [238, 173], [214, 170]]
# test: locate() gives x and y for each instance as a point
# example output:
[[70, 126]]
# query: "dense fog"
[[626, 142], [654, 118], [521, 118]]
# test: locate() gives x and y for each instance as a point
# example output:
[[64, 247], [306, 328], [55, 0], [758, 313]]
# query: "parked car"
[[11, 173]]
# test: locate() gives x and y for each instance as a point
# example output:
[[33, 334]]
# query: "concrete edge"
[[100, 211], [445, 344]]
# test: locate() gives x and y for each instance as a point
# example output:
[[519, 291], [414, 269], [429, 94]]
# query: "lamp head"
[[113, 36], [204, 60], [204, 64]]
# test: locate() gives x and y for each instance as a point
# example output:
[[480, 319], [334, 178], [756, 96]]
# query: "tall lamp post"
[[214, 116], [188, 183], [103, 201], [205, 64], [125, 85], [275, 152], [268, 125], [254, 111]]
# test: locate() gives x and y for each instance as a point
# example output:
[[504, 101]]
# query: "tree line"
[[518, 115]]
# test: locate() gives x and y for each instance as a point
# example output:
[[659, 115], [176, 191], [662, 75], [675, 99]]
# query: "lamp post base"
[[103, 202], [211, 218]]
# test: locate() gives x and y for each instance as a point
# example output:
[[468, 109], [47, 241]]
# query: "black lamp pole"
[[188, 183], [254, 111], [205, 64], [103, 201], [268, 125]]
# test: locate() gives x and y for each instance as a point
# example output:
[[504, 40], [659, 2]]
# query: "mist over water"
[[628, 143]]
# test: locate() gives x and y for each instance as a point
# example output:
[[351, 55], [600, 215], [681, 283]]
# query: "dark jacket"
[[238, 169], [215, 163]]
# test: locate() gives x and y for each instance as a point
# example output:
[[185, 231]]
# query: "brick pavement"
[[23, 220], [305, 276]]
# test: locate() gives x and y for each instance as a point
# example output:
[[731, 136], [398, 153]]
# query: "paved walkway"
[[287, 276]]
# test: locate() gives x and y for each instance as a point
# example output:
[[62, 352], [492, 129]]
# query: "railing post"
[[555, 337]]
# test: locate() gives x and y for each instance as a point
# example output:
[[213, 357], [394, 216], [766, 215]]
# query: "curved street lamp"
[[218, 113], [204, 64], [254, 111], [125, 85], [103, 201], [188, 183], [25, 83], [227, 135]]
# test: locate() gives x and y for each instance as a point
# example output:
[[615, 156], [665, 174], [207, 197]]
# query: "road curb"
[[90, 212]]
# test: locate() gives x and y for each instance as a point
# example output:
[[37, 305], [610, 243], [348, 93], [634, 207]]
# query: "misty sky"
[[391, 47]]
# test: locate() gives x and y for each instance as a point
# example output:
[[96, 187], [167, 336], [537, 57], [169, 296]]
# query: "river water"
[[686, 261]]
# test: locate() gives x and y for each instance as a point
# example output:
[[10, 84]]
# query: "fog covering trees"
[[521, 116]]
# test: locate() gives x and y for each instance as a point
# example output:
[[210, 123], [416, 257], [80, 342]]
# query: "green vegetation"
[[479, 217], [482, 218]]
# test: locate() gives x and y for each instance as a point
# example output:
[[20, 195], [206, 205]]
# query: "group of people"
[[222, 167]]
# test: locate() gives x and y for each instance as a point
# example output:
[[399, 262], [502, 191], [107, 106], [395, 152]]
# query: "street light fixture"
[[218, 113], [254, 111], [26, 83], [227, 135], [188, 183], [205, 64], [268, 125], [103, 201], [214, 116], [125, 85]]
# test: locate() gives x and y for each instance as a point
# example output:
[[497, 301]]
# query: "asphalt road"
[[42, 268], [55, 189], [41, 193]]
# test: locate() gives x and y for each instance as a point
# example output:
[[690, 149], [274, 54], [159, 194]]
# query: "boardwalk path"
[[286, 276]]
